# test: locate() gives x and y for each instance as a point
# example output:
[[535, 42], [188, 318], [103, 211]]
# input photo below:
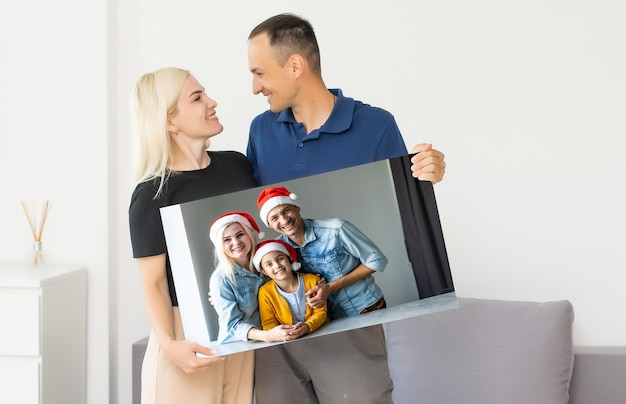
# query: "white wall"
[[526, 99], [53, 145]]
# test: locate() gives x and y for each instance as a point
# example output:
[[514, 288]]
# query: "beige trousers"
[[230, 381]]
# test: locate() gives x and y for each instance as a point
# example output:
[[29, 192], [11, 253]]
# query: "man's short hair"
[[289, 34]]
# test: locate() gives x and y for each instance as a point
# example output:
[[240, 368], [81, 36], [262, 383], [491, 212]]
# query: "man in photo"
[[333, 248]]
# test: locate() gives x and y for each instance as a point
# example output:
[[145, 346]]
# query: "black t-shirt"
[[229, 171]]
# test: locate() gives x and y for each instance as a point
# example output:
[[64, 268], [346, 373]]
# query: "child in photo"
[[282, 300]]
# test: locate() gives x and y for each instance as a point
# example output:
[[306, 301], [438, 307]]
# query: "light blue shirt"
[[333, 248], [236, 303], [296, 300]]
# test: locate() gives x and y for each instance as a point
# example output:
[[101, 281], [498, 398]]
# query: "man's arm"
[[316, 296], [319, 315], [370, 257]]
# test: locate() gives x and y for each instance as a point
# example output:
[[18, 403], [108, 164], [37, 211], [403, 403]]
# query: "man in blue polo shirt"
[[355, 133], [308, 130]]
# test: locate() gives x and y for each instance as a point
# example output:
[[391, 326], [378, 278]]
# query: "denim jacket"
[[236, 303], [333, 248]]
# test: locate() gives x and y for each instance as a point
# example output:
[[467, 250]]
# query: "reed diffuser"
[[36, 258]]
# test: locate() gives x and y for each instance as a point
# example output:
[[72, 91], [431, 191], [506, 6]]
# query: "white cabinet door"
[[19, 380], [19, 316]]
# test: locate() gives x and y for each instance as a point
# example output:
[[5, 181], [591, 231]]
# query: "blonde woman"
[[173, 120]]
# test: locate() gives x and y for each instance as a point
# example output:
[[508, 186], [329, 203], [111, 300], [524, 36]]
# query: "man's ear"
[[297, 64]]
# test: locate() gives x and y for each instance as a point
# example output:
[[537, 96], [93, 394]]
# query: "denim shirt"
[[333, 248], [236, 303]]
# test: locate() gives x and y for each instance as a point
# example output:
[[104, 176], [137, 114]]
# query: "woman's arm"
[[276, 334], [231, 318], [160, 313]]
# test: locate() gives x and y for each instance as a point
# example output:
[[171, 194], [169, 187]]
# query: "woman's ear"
[[171, 127]]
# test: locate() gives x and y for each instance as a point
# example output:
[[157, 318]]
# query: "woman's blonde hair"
[[154, 99], [226, 264]]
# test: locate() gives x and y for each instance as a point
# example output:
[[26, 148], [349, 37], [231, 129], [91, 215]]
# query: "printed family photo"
[[308, 257]]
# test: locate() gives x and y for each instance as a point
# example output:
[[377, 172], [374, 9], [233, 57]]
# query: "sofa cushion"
[[484, 351]]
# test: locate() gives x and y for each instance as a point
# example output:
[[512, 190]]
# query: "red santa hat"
[[272, 197], [242, 218], [268, 246]]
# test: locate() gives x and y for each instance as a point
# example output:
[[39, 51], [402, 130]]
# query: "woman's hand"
[[298, 330], [162, 318], [280, 333], [183, 354]]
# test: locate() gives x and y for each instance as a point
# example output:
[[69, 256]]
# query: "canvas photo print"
[[374, 218]]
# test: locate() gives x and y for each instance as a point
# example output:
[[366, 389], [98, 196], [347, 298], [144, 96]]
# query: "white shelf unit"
[[43, 315]]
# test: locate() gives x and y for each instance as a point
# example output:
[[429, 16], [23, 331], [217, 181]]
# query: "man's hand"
[[427, 164], [316, 296]]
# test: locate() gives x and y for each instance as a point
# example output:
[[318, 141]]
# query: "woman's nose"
[[211, 103]]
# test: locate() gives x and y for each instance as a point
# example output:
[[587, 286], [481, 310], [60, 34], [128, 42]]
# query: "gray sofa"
[[492, 351]]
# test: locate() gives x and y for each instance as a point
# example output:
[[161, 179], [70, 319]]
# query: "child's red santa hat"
[[268, 246], [272, 197], [242, 218]]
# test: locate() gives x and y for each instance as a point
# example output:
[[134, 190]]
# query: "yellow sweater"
[[275, 310]]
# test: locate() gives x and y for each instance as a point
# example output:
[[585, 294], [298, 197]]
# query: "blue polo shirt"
[[355, 133]]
